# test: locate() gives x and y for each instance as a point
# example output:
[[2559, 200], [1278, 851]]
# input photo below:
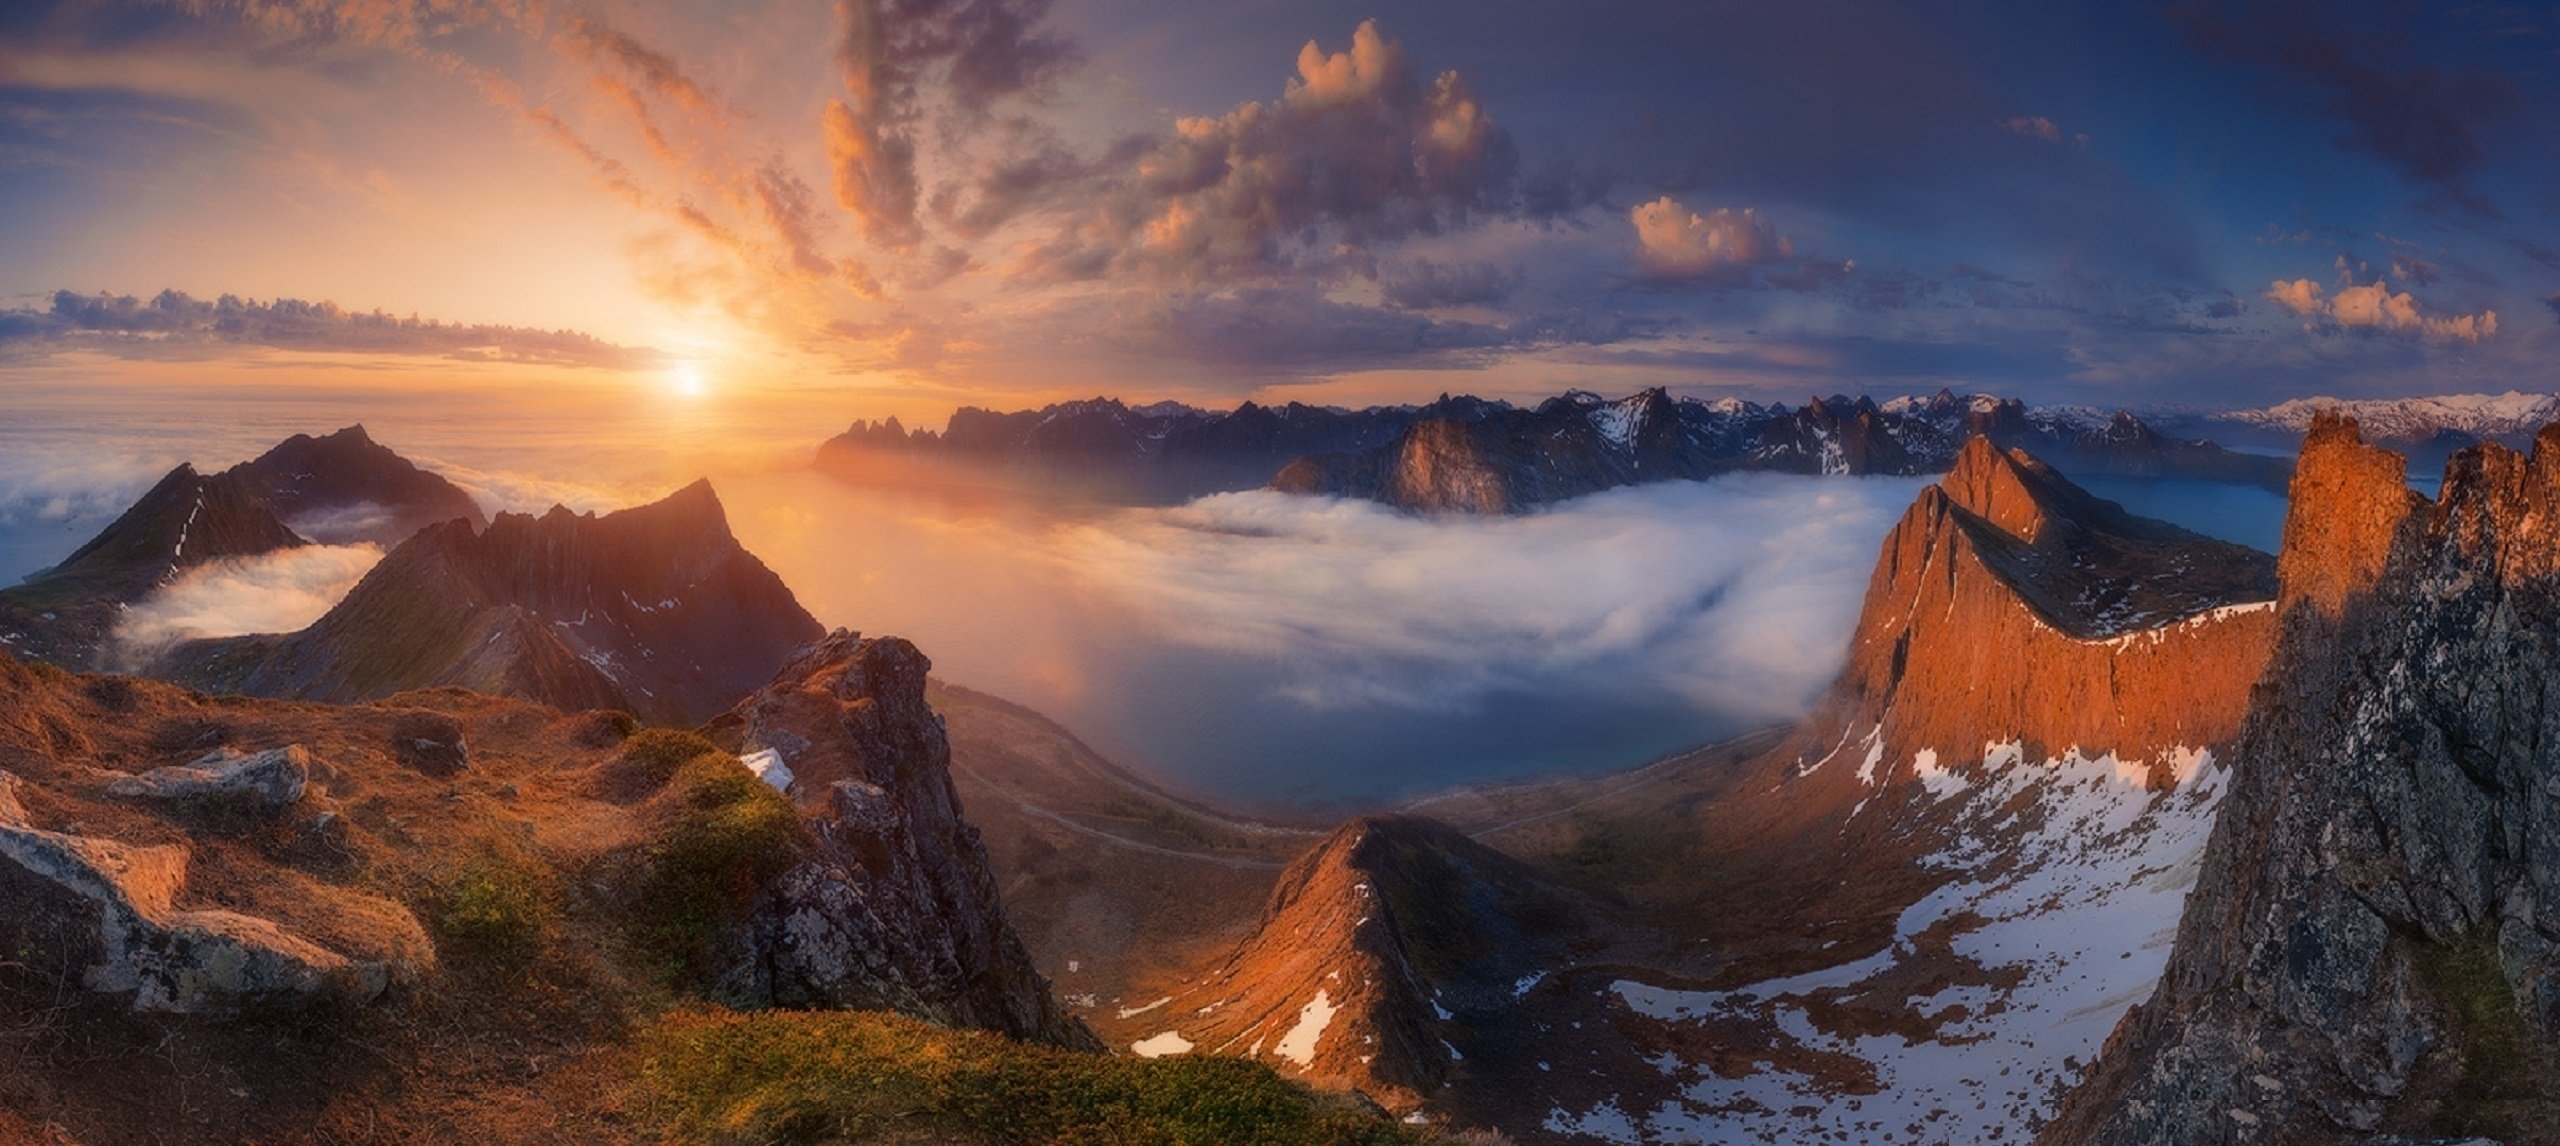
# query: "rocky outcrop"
[[2010, 606], [892, 904], [2373, 945], [258, 781], [1378, 950], [108, 912], [656, 610]]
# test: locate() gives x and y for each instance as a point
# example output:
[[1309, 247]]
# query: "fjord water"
[[1253, 648]]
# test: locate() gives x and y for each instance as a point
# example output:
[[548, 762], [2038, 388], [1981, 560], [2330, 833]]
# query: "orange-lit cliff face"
[[2010, 606]]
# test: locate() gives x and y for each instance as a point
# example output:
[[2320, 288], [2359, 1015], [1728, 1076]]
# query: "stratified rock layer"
[[2373, 945]]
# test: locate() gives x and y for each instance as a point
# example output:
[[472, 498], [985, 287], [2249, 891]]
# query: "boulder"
[[430, 742], [269, 780], [106, 912]]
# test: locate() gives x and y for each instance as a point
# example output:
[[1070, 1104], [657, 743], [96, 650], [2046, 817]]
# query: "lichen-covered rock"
[[2373, 944], [269, 780], [893, 905], [106, 914]]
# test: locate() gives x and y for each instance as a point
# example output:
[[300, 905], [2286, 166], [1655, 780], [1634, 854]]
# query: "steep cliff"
[[892, 904], [2373, 946], [2010, 606], [656, 609]]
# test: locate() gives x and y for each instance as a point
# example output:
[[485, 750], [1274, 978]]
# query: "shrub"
[[650, 758], [718, 834], [498, 907], [778, 1076]]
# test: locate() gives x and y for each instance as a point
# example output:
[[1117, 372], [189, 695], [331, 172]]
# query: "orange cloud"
[[1673, 241], [2374, 306]]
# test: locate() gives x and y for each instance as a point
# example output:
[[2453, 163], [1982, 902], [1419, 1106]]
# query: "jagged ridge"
[[656, 609]]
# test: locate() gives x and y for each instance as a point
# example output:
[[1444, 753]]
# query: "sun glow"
[[689, 381]]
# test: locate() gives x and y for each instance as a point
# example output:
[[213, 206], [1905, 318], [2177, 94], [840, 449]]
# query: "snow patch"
[[1158, 1046], [767, 764], [1299, 1045]]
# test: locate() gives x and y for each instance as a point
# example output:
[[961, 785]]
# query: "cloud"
[[175, 323], [1673, 241], [2423, 122], [984, 50], [2033, 127], [1424, 284], [173, 320], [655, 69], [1736, 595], [2374, 306], [2039, 127], [278, 592], [1358, 150]]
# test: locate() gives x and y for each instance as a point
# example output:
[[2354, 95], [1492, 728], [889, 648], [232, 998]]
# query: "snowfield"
[[2069, 879]]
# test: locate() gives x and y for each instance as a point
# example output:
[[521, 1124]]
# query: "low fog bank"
[[274, 593], [1735, 596]]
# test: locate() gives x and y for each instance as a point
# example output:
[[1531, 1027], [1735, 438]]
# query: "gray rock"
[[2381, 896], [273, 779], [106, 912], [893, 904]]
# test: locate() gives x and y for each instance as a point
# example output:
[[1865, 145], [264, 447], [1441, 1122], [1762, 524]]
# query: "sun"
[[689, 381]]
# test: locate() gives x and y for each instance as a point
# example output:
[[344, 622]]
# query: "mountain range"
[[655, 610], [336, 489], [1471, 455], [2105, 831]]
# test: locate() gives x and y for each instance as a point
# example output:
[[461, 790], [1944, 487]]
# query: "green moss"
[[2502, 1090], [498, 908], [649, 759], [720, 1077], [718, 833]]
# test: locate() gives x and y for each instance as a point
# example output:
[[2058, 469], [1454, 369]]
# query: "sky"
[[901, 206]]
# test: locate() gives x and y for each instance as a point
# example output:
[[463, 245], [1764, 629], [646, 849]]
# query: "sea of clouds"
[[1736, 595]]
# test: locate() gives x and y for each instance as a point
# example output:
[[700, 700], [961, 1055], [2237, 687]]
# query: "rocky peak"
[[893, 904], [2349, 499], [655, 609], [2007, 488], [2113, 633], [1377, 951]]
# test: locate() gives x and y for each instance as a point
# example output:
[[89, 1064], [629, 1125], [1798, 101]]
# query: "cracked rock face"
[[2373, 946], [893, 905]]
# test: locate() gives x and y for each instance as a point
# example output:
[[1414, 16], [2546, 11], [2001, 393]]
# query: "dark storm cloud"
[[174, 324], [2425, 122]]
